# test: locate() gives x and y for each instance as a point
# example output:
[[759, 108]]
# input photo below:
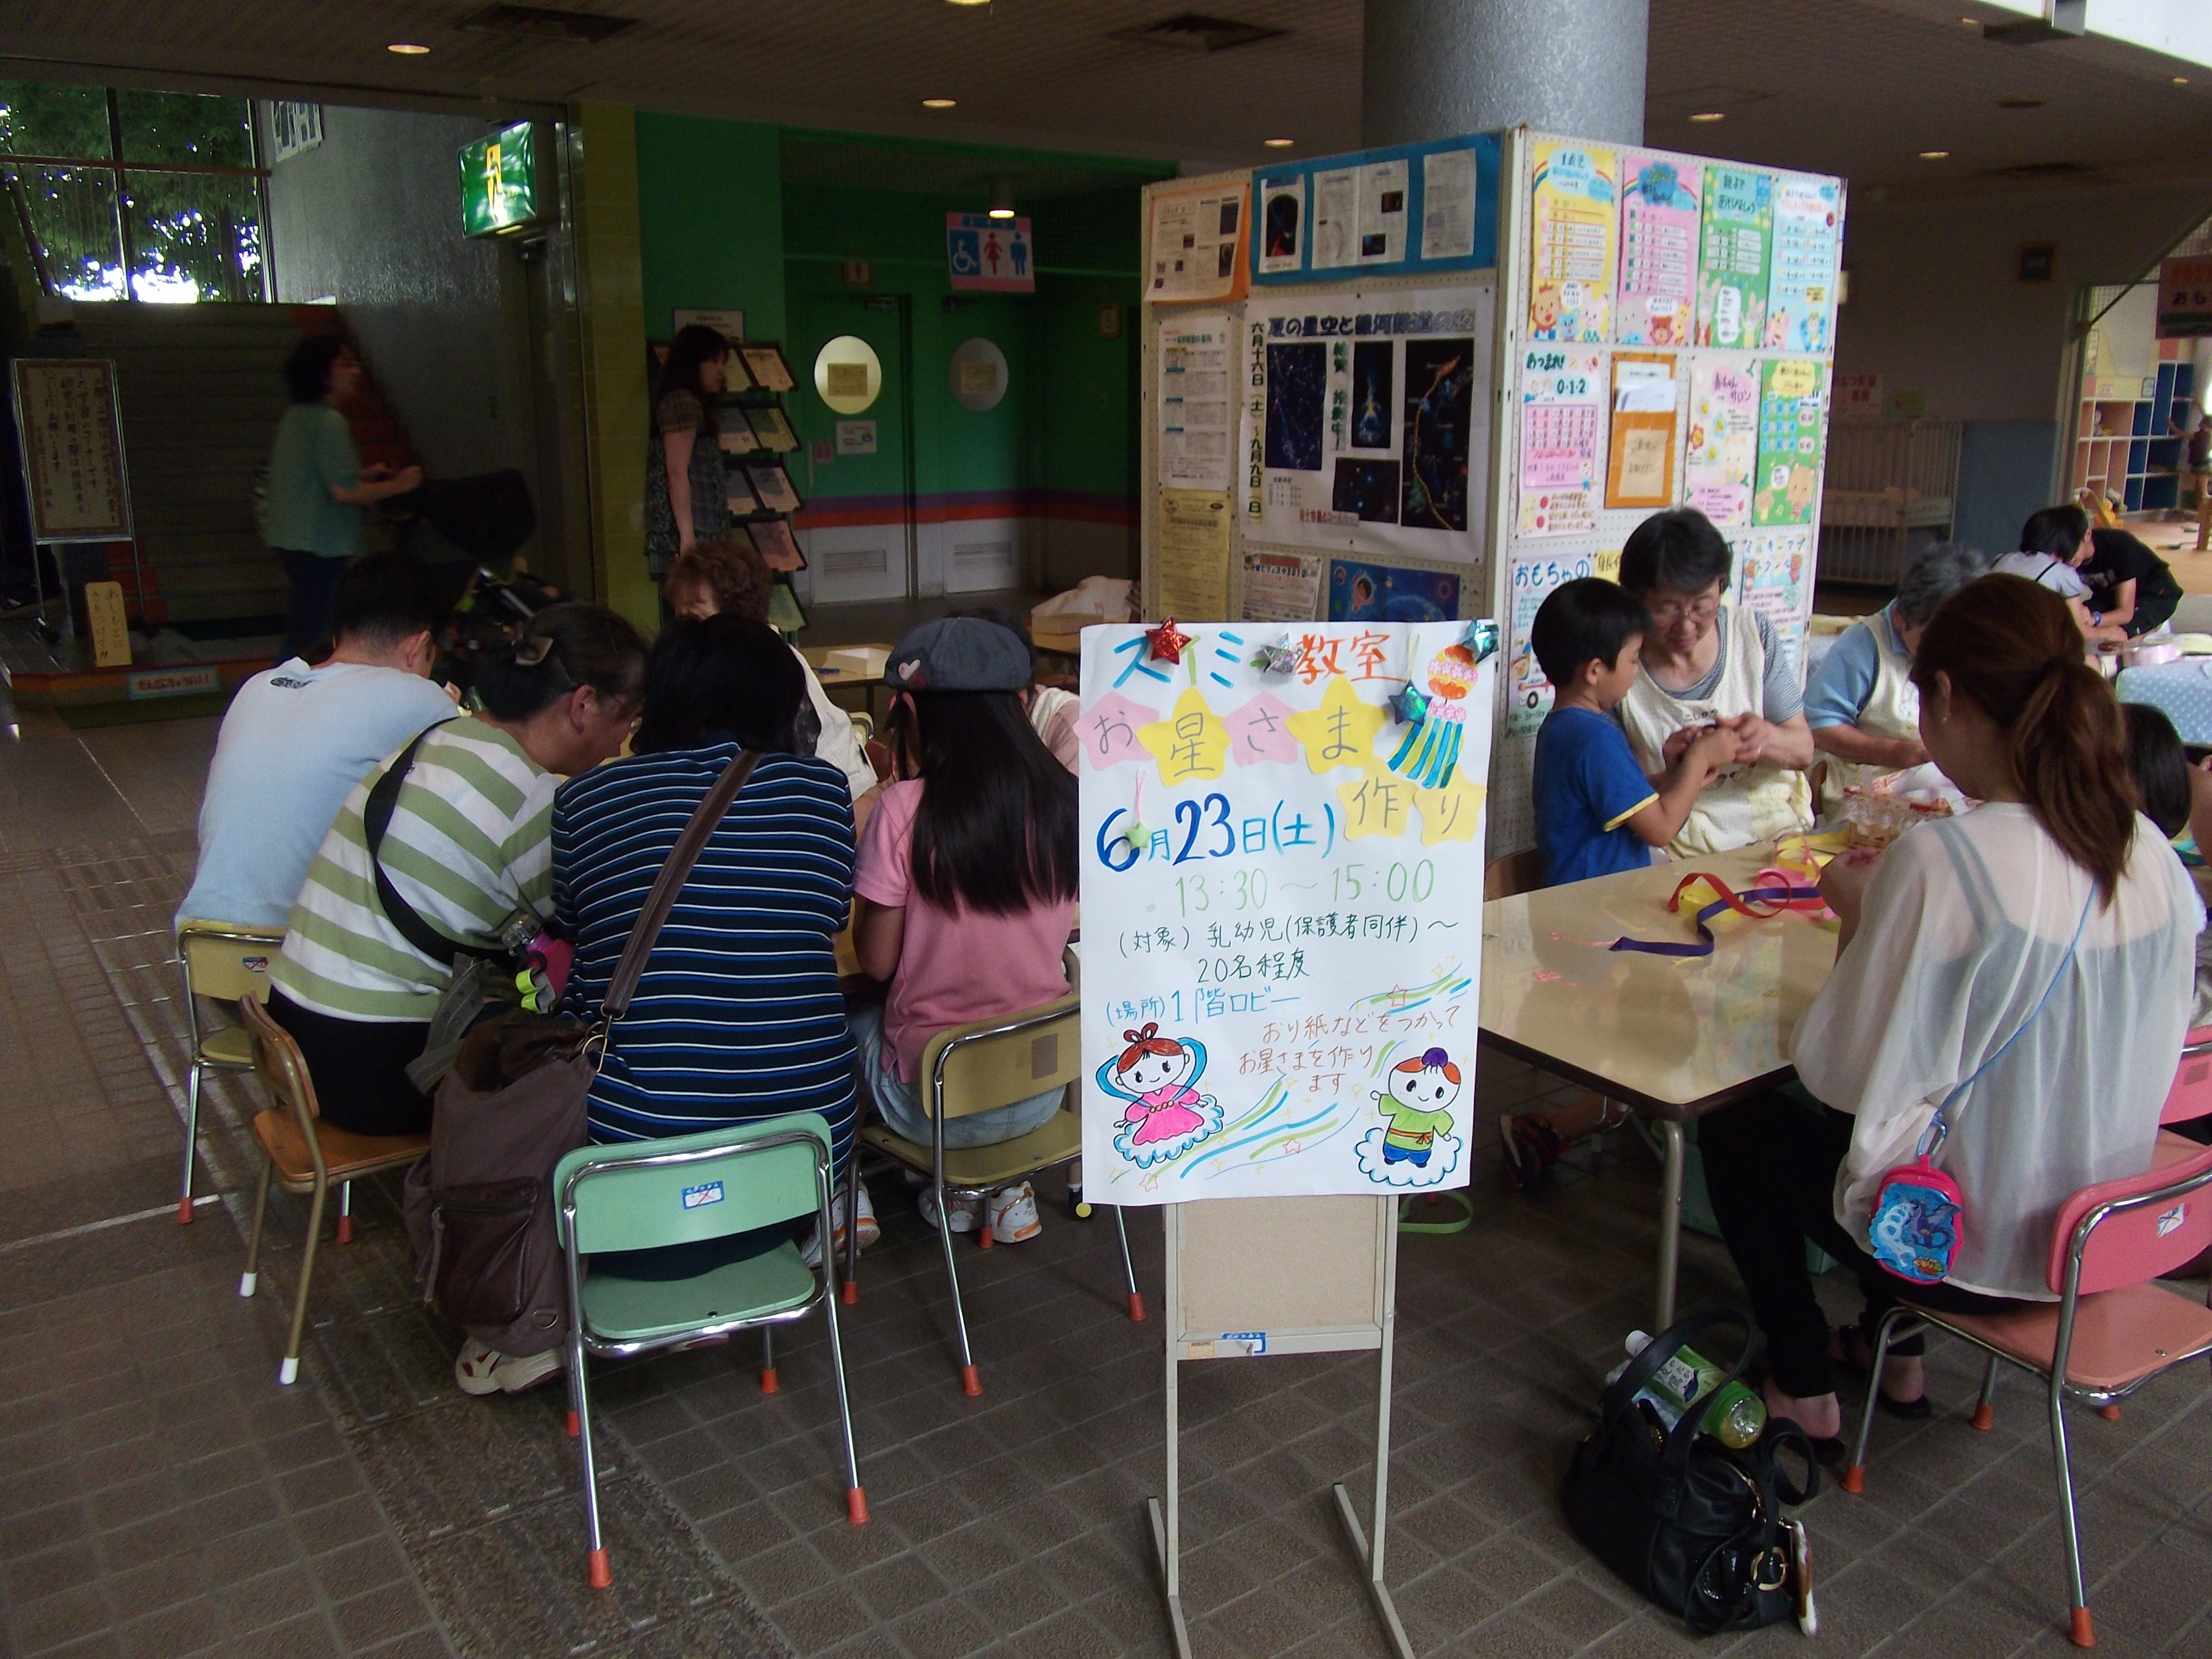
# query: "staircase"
[[202, 388]]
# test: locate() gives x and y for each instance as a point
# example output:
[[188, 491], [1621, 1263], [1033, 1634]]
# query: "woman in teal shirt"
[[317, 486]]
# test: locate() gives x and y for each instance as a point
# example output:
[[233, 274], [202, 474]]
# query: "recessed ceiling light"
[[1934, 155], [938, 103], [1279, 144], [996, 213], [971, 3], [1709, 115], [1971, 22], [408, 49], [2181, 80]]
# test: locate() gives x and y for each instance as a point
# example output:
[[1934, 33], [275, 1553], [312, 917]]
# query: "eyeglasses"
[[1703, 609]]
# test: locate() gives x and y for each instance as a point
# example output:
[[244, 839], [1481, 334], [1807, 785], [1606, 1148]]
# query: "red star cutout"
[[1169, 643]]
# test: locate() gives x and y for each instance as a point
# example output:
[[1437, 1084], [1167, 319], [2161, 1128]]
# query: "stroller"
[[491, 594]]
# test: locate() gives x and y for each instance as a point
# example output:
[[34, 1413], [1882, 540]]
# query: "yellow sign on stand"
[[110, 625]]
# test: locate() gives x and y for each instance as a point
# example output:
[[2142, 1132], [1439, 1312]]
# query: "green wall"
[[710, 207]]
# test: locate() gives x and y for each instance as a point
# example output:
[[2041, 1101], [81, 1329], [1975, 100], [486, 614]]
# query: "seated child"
[[967, 880], [2054, 544], [2177, 796], [1597, 812]]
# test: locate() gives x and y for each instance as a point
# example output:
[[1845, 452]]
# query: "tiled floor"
[[159, 1494]]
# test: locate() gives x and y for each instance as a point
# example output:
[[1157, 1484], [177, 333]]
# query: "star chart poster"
[[1281, 963], [1365, 418]]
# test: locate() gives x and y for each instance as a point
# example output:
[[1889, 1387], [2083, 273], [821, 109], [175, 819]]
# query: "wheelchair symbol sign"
[[965, 252], [993, 255]]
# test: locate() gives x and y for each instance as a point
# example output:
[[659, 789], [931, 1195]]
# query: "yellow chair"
[[224, 962], [975, 1068], [305, 1155]]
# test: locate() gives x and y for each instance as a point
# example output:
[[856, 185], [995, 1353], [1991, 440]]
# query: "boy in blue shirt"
[[1596, 812]]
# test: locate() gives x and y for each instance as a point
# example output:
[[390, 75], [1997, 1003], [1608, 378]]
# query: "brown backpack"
[[479, 1207]]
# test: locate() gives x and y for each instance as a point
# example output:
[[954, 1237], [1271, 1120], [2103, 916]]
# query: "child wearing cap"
[[967, 881]]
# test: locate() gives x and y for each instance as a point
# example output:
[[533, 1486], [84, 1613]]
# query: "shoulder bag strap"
[[657, 904], [376, 818]]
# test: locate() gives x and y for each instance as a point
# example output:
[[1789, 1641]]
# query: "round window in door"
[[979, 374], [847, 374]]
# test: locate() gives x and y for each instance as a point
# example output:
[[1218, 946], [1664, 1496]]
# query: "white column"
[[1437, 68]]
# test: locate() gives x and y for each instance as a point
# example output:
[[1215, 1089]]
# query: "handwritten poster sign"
[[1789, 428], [1658, 249], [1527, 692], [72, 443], [1775, 570], [1732, 254], [1723, 441], [1562, 435], [1800, 295], [1281, 964], [1570, 263]]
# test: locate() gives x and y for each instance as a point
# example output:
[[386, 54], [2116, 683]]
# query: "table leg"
[[1670, 1223]]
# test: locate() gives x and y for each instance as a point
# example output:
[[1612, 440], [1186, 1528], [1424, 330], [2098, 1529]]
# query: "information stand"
[[69, 435], [1251, 1277]]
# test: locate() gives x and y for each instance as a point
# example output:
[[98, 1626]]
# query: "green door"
[[856, 463]]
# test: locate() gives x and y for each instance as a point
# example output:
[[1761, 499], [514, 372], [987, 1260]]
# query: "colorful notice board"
[[1280, 961], [1732, 256], [1658, 249], [1790, 403], [1800, 295], [1570, 257], [1562, 439]]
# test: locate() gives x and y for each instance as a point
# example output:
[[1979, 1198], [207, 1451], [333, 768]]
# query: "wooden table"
[[1672, 1037], [836, 682]]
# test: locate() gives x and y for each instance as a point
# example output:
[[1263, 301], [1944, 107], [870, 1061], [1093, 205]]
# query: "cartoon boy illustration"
[[1165, 1116], [1422, 1091]]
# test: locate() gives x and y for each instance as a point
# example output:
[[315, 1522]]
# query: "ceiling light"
[[1709, 115], [408, 49], [1971, 22], [1279, 144], [2181, 80], [1002, 197], [971, 3], [1934, 155], [938, 103]]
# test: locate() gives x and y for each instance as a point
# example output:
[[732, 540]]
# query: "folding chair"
[[305, 1155], [974, 1068], [2111, 1331], [679, 1191], [225, 962]]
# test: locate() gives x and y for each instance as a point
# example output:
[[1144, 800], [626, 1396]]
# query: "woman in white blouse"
[[1950, 942]]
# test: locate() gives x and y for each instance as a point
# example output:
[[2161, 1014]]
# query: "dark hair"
[[1933, 575], [997, 835], [2161, 767], [2011, 648], [2056, 532], [695, 344], [732, 573], [724, 675], [1589, 618], [561, 647], [384, 599], [1678, 548], [307, 370]]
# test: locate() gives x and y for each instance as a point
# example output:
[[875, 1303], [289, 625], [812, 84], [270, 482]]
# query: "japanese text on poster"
[[1562, 432], [1658, 249], [1788, 484], [1570, 261], [72, 449], [1723, 441], [1802, 291], [1281, 587], [1197, 244], [1280, 969], [1362, 424], [1732, 254], [1527, 693], [1197, 411], [1193, 553], [1774, 581]]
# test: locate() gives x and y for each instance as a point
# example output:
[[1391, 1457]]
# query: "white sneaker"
[[1013, 1214], [967, 1213], [869, 1232]]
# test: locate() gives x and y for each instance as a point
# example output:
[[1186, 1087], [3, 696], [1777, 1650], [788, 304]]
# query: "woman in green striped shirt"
[[468, 849]]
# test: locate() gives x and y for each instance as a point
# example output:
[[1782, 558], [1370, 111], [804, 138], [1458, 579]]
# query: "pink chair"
[[2112, 1329]]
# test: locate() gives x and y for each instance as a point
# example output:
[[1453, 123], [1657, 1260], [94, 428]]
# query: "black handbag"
[[1695, 1525]]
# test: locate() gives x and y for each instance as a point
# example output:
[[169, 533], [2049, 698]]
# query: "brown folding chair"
[[305, 1155], [225, 962]]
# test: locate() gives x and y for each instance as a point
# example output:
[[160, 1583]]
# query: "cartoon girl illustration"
[[1166, 1116]]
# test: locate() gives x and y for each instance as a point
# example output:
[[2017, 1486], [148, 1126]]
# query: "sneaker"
[[1013, 1214], [967, 1213], [1532, 1147], [869, 1232]]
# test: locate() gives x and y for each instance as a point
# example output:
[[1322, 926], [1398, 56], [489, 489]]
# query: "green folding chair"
[[681, 1191]]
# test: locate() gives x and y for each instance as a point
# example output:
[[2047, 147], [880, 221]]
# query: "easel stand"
[[1251, 1277]]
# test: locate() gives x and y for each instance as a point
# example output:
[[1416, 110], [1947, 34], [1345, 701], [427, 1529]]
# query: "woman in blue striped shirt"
[[738, 1017]]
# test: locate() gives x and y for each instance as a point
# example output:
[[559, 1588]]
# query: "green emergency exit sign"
[[499, 187]]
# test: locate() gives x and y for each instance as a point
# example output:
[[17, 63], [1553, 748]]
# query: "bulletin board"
[[1666, 336]]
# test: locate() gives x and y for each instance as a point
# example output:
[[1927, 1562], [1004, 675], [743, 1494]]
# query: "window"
[[162, 186]]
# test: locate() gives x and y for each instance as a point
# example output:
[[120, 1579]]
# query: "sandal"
[[1844, 1348]]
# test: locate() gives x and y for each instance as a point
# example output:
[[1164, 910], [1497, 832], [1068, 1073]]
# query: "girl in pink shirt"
[[967, 881]]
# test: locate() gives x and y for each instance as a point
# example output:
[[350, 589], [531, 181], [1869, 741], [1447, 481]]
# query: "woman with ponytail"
[[2054, 919]]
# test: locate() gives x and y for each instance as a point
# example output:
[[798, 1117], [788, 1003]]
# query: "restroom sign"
[[992, 255]]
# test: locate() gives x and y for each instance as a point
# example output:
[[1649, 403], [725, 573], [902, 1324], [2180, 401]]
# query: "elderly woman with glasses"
[[1705, 666], [1862, 704]]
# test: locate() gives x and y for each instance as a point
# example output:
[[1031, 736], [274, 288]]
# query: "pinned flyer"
[[1280, 968]]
